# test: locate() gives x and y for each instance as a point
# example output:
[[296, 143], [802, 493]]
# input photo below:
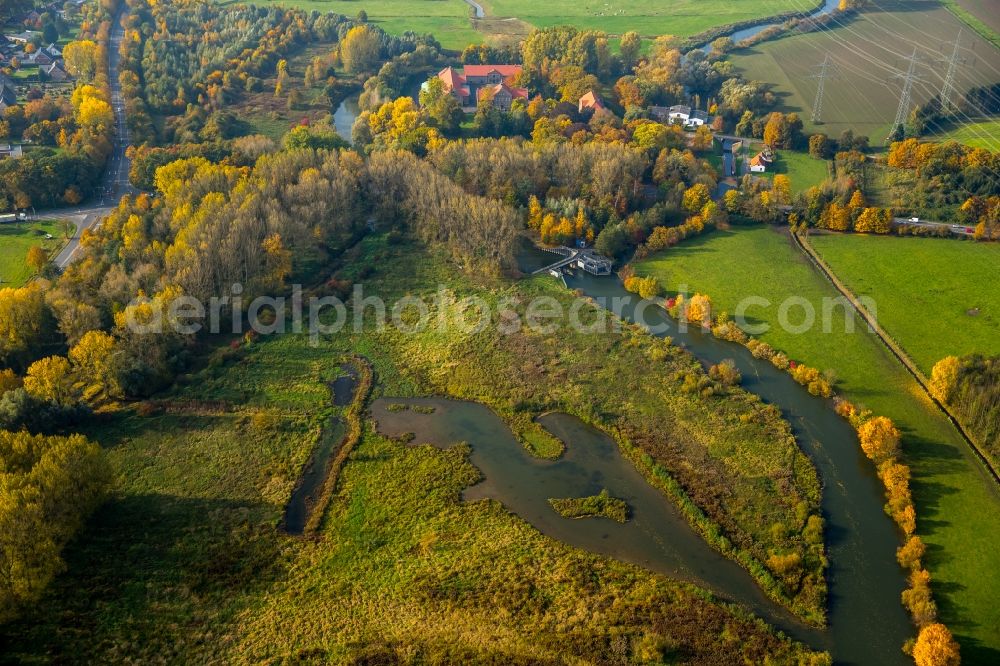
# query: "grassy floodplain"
[[185, 562], [935, 296], [865, 53], [16, 240], [450, 21], [958, 507]]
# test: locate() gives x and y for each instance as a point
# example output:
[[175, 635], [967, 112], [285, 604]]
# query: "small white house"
[[679, 113], [696, 119]]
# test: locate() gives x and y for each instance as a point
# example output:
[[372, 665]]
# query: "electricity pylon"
[[905, 96], [948, 88], [824, 72]]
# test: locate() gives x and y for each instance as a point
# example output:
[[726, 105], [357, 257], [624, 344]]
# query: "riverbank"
[[951, 491]]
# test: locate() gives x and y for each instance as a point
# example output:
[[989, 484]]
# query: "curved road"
[[115, 182]]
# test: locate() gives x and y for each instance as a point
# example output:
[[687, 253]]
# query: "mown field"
[[866, 52], [184, 564], [16, 240], [649, 18], [958, 507], [803, 170], [977, 133], [451, 20], [935, 296]]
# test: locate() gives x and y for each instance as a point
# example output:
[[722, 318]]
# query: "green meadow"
[[16, 240], [451, 21], [935, 296]]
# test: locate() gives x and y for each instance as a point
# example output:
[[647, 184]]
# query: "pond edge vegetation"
[[352, 419]]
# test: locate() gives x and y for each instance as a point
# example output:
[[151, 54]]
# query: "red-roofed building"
[[470, 83], [503, 95], [590, 101]]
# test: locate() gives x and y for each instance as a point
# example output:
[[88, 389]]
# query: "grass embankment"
[[602, 505], [352, 417], [185, 563], [16, 240], [859, 97], [936, 297], [958, 507]]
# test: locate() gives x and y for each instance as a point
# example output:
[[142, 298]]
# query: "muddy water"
[[656, 537], [314, 474]]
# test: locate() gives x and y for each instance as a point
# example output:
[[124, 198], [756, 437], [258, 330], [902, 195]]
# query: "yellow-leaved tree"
[[50, 379], [936, 647], [879, 439], [95, 367]]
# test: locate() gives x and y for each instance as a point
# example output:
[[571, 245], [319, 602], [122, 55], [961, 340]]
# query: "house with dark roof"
[[54, 72], [697, 118], [474, 82], [8, 93]]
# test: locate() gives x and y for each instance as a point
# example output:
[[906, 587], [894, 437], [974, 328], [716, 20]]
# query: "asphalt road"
[[114, 184]]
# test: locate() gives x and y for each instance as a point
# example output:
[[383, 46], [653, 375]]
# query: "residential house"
[[40, 58], [697, 118], [22, 37], [10, 151], [590, 102], [679, 112], [53, 51], [8, 93], [502, 95], [762, 160], [472, 83], [55, 73]]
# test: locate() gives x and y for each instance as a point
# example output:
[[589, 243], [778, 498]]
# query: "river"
[[828, 7], [868, 624]]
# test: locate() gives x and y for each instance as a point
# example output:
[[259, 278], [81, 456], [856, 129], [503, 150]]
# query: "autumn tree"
[[96, 367], [49, 486], [695, 197], [50, 379], [874, 221], [879, 439], [629, 49], [935, 646], [820, 146], [360, 50], [80, 57], [944, 378], [37, 259]]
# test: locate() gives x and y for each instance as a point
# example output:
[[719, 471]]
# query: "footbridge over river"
[[583, 258]]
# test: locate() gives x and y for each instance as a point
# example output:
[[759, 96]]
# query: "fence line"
[[894, 348]]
